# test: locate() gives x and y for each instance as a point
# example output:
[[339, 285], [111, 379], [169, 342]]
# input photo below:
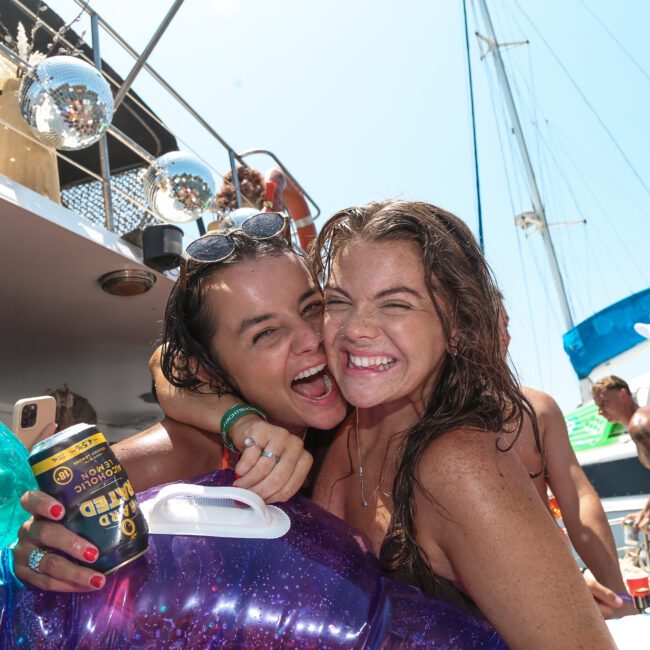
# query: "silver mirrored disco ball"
[[179, 187], [67, 103]]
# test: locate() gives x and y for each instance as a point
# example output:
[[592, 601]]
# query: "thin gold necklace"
[[364, 501]]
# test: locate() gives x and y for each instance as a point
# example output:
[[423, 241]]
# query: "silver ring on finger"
[[249, 442], [267, 453], [35, 559]]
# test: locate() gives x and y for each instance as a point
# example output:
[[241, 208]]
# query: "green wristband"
[[230, 417]]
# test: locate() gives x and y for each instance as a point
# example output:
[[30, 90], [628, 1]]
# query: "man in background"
[[614, 400]]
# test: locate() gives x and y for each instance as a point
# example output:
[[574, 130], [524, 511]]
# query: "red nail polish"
[[90, 554], [97, 581], [56, 511], [237, 476]]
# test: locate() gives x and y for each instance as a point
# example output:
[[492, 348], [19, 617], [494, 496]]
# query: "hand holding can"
[[78, 467]]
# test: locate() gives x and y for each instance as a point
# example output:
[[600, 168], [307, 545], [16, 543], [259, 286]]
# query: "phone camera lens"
[[28, 416]]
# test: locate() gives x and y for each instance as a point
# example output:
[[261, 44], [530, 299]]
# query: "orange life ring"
[[285, 195]]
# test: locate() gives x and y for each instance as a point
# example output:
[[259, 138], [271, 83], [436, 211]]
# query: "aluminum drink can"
[[78, 468], [631, 536]]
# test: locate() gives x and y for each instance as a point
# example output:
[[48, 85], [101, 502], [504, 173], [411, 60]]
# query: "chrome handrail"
[[266, 152], [122, 91]]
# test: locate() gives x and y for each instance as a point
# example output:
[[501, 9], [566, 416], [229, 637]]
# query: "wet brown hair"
[[476, 388]]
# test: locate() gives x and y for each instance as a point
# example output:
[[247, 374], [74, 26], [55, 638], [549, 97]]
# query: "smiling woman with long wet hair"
[[426, 465]]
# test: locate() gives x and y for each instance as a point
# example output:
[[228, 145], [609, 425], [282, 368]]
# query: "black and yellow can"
[[78, 468]]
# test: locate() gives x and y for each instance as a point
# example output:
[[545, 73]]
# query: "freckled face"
[[382, 334], [268, 315]]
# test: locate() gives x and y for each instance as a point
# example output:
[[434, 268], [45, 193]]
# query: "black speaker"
[[162, 246]]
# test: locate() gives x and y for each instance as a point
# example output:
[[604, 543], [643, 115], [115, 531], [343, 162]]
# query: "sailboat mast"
[[538, 206]]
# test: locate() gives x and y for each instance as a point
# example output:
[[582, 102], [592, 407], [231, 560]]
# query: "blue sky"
[[369, 99]]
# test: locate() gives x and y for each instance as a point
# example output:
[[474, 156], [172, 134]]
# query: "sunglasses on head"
[[216, 247]]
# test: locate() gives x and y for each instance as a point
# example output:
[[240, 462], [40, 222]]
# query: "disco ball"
[[66, 102], [179, 187]]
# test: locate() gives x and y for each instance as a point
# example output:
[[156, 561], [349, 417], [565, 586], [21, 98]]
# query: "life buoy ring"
[[285, 195]]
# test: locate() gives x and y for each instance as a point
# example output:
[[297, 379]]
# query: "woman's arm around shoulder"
[[274, 482], [484, 518], [168, 451]]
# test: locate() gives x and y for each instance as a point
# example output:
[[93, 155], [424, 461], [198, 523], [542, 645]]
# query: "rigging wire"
[[474, 142], [584, 97], [604, 175], [555, 180], [530, 307], [602, 24], [514, 83], [499, 123], [594, 197]]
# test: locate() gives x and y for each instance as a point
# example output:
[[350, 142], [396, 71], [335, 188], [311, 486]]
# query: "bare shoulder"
[[642, 413], [469, 460], [169, 442], [543, 403], [641, 420]]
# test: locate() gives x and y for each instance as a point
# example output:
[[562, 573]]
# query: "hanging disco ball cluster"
[[66, 102], [68, 105]]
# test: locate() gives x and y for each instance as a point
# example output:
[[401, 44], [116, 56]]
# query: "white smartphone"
[[30, 417]]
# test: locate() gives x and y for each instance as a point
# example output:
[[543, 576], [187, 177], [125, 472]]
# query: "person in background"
[[551, 461], [615, 403]]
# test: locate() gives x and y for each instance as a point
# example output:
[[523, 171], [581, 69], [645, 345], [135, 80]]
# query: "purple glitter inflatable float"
[[314, 587]]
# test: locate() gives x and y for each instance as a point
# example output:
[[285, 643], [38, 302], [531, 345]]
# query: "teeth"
[[309, 372], [381, 363], [328, 385]]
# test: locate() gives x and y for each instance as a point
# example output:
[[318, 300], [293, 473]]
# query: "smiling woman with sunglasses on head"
[[242, 321]]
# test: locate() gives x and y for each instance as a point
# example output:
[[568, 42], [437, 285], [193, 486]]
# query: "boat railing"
[[114, 198]]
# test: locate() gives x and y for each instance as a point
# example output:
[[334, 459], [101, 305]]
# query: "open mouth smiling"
[[378, 363], [314, 383]]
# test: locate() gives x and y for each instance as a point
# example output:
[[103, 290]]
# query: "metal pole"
[[271, 155], [10, 54], [477, 177], [166, 86], [104, 162], [530, 174], [235, 178], [121, 93]]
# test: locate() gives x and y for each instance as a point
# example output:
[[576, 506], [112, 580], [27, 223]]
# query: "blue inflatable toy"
[[15, 479]]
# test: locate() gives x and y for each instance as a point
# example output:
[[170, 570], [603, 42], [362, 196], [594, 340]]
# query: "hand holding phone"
[[31, 416]]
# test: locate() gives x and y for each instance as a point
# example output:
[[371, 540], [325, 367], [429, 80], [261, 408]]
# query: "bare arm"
[[202, 410], [640, 432], [487, 530], [274, 482], [168, 451], [582, 512]]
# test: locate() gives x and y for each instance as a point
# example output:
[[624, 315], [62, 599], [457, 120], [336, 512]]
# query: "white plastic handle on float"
[[186, 509]]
